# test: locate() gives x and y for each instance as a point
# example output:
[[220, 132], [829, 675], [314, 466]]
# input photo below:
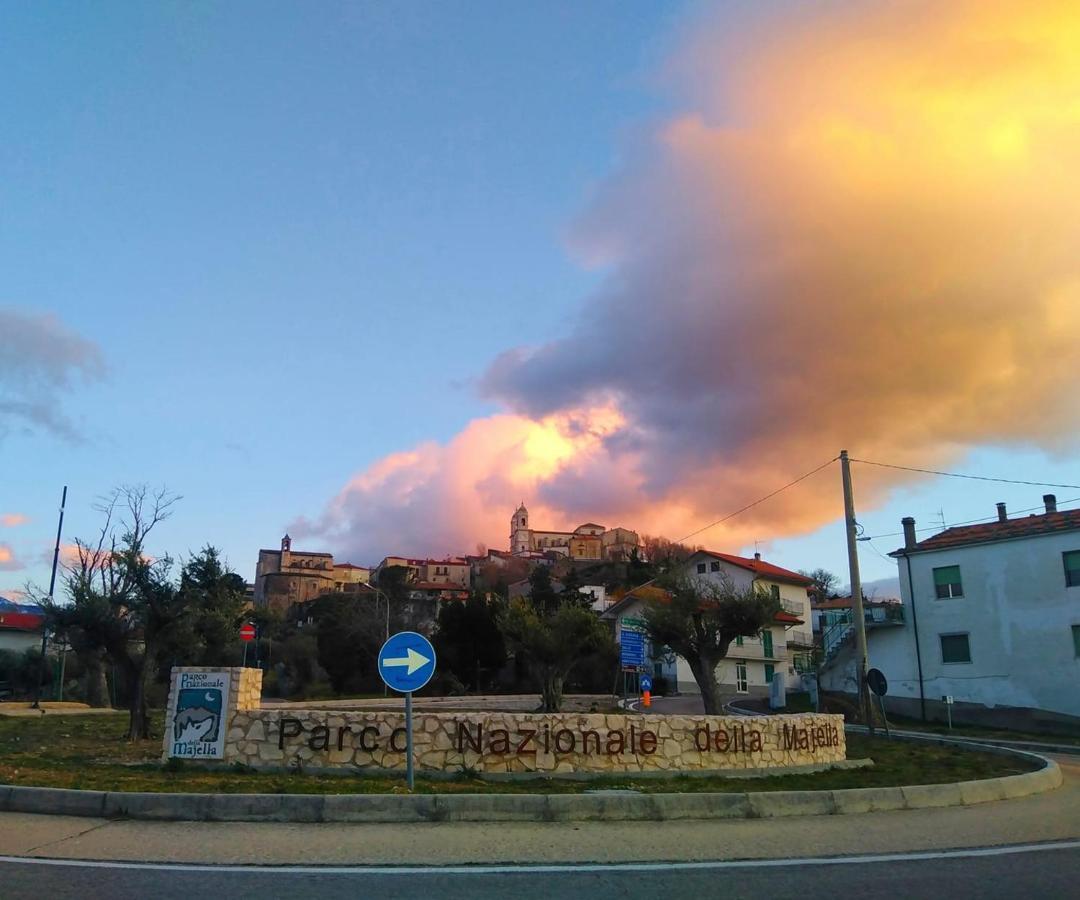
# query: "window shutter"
[[947, 575]]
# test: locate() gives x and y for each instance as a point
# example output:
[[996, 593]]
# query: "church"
[[586, 542]]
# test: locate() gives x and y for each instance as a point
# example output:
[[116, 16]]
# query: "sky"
[[374, 273]]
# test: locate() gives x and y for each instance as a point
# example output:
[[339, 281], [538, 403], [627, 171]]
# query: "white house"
[[992, 621], [20, 626], [752, 661]]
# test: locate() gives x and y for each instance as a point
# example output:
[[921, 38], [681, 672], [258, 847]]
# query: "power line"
[[868, 462], [743, 509], [737, 512]]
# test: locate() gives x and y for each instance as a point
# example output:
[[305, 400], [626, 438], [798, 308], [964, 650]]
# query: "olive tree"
[[698, 619]]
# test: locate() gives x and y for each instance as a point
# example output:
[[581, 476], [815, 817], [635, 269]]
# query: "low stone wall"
[[225, 722], [516, 742]]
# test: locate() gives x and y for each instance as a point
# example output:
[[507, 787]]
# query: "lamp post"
[[52, 584], [386, 636]]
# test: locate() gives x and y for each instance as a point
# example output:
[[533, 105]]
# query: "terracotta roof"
[[845, 603], [760, 567], [1029, 526], [787, 618]]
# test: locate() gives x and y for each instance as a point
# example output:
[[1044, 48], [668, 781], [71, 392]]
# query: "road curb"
[[597, 806]]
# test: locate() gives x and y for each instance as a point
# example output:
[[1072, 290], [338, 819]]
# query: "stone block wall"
[[498, 742]]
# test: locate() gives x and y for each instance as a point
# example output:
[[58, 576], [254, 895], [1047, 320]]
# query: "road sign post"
[[879, 685], [645, 682], [406, 664], [247, 635]]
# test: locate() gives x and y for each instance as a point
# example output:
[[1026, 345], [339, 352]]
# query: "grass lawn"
[[89, 752]]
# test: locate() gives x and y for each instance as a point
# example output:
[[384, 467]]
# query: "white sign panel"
[[200, 717]]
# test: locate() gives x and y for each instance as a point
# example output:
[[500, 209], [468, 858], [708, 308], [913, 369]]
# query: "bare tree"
[[123, 602], [824, 584]]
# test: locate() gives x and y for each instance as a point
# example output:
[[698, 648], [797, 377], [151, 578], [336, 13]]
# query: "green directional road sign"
[[631, 622]]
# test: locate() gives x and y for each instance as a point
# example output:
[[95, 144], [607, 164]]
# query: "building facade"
[[993, 622], [752, 661], [286, 577], [586, 542], [20, 626]]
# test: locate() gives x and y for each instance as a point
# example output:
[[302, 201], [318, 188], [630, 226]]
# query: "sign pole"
[[408, 739]]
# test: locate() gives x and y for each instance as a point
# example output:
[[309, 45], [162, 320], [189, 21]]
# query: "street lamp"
[[387, 634]]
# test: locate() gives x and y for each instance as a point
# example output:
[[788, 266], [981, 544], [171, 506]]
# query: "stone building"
[[286, 576], [588, 541]]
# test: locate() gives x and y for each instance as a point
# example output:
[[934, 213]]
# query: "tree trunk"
[[551, 692], [95, 689], [138, 720], [704, 671]]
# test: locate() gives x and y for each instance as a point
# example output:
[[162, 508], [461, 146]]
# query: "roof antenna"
[[941, 515]]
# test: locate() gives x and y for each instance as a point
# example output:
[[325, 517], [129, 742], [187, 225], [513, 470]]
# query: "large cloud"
[[40, 358], [862, 233]]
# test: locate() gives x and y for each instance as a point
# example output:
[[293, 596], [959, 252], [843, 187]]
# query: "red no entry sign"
[[247, 632]]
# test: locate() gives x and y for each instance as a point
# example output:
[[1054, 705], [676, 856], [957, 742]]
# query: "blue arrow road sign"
[[646, 682], [406, 661]]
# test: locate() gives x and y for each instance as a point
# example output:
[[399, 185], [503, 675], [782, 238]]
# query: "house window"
[[714, 567], [740, 678], [1072, 568], [770, 669], [955, 648], [1076, 640], [947, 582], [774, 591], [766, 643], [701, 568], [738, 641]]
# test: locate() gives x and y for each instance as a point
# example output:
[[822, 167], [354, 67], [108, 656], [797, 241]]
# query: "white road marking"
[[554, 869]]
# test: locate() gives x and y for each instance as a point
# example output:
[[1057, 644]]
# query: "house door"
[[740, 678]]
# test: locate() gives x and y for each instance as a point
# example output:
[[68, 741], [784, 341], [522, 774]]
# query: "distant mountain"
[[882, 588], [11, 606]]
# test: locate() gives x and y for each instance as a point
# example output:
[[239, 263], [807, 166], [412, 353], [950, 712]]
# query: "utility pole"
[[856, 591], [52, 585]]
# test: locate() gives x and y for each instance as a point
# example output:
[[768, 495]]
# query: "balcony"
[[795, 609], [800, 638]]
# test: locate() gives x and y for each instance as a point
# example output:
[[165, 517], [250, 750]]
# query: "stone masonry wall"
[[518, 742]]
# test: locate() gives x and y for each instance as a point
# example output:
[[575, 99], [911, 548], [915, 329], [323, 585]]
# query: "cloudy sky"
[[375, 272]]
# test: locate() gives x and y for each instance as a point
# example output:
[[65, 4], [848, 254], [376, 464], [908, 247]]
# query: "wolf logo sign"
[[198, 724]]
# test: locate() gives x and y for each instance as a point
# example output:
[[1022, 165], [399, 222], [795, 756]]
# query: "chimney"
[[1002, 516], [909, 532], [757, 556], [1051, 503]]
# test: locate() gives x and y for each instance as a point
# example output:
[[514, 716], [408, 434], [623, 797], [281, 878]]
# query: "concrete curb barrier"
[[596, 806]]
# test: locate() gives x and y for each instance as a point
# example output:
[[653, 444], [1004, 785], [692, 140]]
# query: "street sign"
[[247, 632], [646, 682], [406, 662], [632, 648], [628, 622], [875, 680]]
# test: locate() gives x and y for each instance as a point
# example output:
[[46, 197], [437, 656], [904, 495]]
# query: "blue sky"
[[300, 233]]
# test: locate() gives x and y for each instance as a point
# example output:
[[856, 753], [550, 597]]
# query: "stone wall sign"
[[509, 742]]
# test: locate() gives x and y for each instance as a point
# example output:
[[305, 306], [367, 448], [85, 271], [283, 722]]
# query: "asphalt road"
[[1046, 871]]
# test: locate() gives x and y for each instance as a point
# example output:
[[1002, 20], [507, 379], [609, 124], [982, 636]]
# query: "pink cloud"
[[9, 562], [860, 231], [13, 520]]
